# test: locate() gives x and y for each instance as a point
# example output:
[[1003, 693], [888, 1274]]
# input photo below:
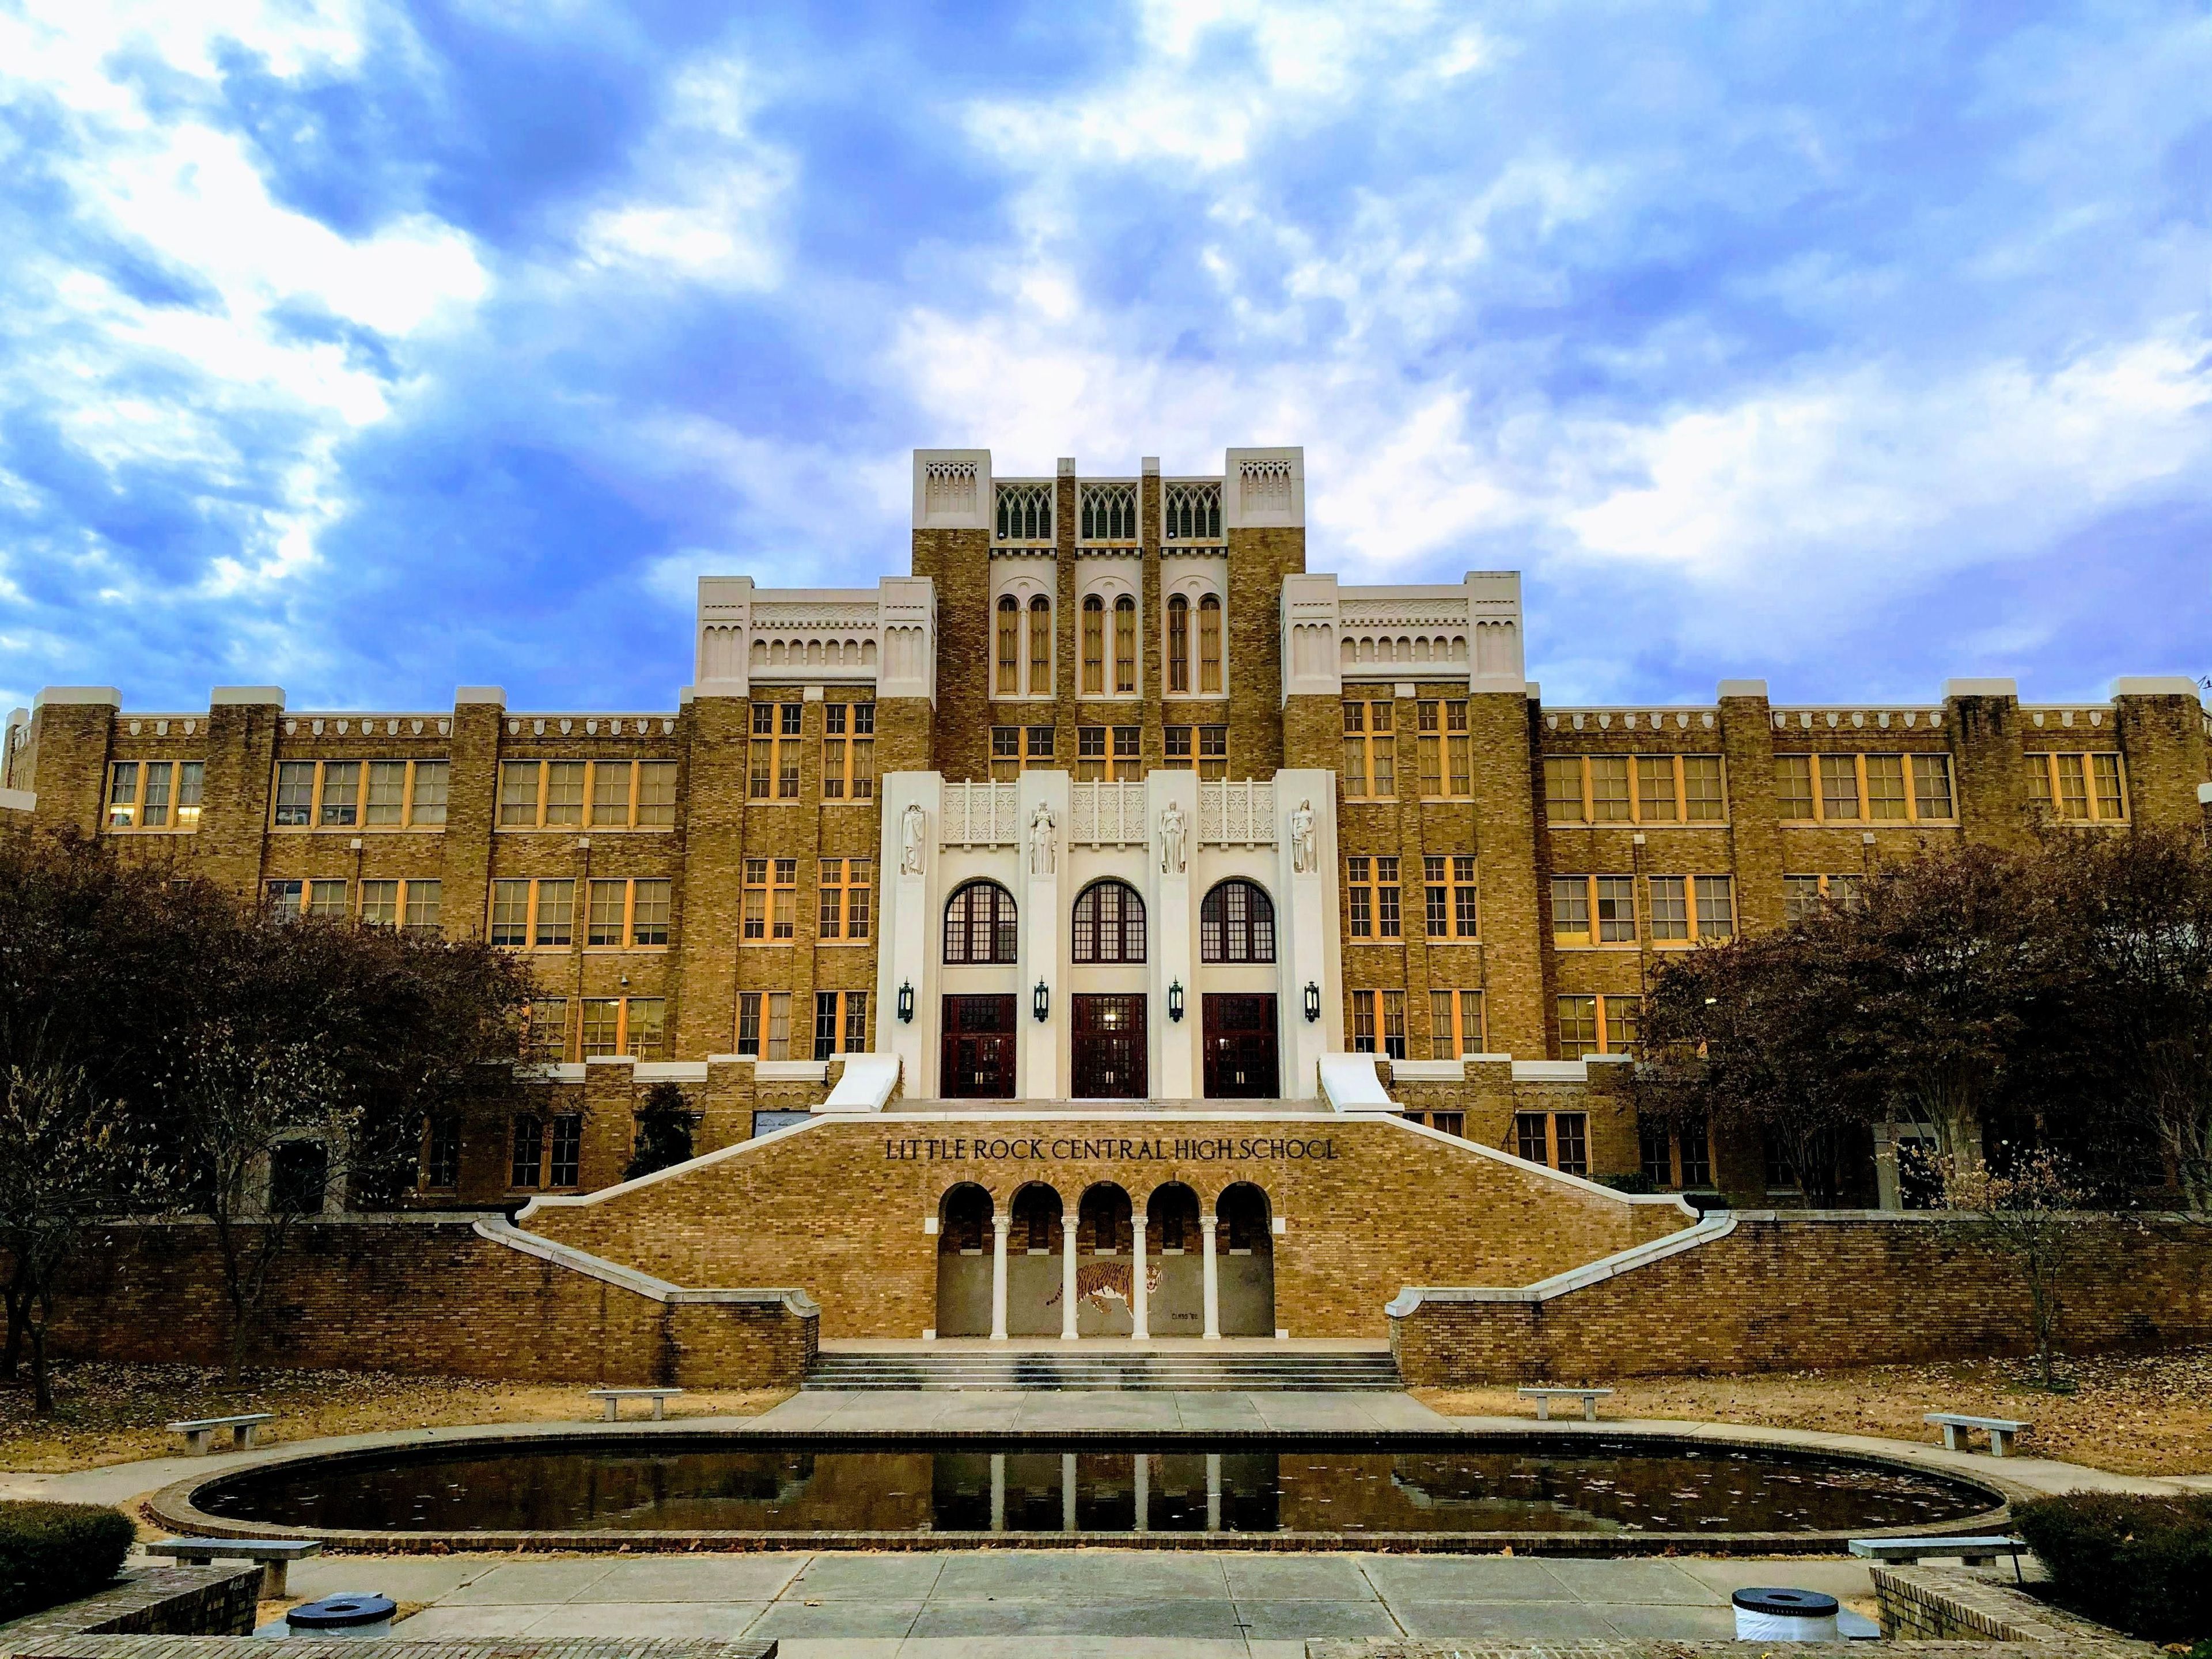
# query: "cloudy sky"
[[370, 348]]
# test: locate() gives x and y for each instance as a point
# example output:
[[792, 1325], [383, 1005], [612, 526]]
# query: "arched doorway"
[[964, 1261], [1245, 1263], [1177, 1299], [1033, 1252], [1105, 1288]]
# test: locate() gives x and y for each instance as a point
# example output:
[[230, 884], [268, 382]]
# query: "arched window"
[[1125, 644], [1094, 645], [1209, 645], [1109, 923], [979, 924], [1040, 646], [1178, 644], [1010, 626], [1237, 923]]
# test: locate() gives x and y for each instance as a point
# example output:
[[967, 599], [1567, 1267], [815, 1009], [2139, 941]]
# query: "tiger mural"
[[1101, 1282]]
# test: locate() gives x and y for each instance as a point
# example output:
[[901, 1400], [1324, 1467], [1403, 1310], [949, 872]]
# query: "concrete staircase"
[[1368, 1371]]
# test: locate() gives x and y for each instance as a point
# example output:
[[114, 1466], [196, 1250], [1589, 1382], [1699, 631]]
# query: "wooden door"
[[978, 1054], [1107, 1056], [1240, 1048]]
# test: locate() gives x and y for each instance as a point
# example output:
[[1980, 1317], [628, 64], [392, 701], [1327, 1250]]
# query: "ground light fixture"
[[1313, 1002], [906, 1003], [1175, 1001], [1040, 1002]]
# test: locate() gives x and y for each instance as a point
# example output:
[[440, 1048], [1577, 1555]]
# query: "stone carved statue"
[[1303, 852], [913, 828], [1041, 844], [1172, 826]]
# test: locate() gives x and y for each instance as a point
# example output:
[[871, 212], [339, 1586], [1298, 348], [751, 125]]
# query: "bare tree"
[[2031, 1218]]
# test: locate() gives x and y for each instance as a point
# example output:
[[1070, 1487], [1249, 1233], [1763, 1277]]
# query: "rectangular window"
[[1393, 1024], [656, 794], [1209, 647], [154, 803], [1371, 885], [779, 1025], [547, 1037], [1532, 1137], [1610, 800], [1715, 898], [1571, 910], [1455, 1025], [848, 751], [527, 1168], [1634, 789], [754, 893], [1670, 908], [749, 1022], [844, 898], [841, 1022], [1464, 915], [773, 772], [379, 904], [1695, 1145], [1563, 790], [610, 788], [1018, 749], [424, 901], [441, 1152], [387, 793], [783, 899], [1446, 767], [1363, 1022], [556, 913], [428, 795], [1931, 786], [1885, 789], [1212, 753], [328, 899], [1839, 788], [1370, 751], [510, 913], [340, 795], [1578, 1027], [1655, 789], [2086, 788], [1793, 785], [1863, 788], [1612, 900], [1436, 919], [1178, 645], [603, 922], [1176, 749], [140, 794], [1800, 897], [1571, 1143], [285, 898], [295, 793], [1621, 1018], [649, 910], [1603, 1024], [563, 1167], [518, 794], [602, 1027], [347, 795], [645, 1028], [564, 794], [1704, 796], [1654, 1147]]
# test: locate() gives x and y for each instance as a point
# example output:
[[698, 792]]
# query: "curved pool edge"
[[173, 1506]]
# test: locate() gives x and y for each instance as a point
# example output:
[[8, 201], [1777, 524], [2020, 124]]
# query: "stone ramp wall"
[[1781, 1291]]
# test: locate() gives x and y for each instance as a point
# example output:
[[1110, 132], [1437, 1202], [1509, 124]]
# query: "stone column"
[[1067, 1492], [1067, 1226], [1144, 1493], [1212, 1283], [1140, 1306], [1000, 1225], [997, 1492], [1173, 917]]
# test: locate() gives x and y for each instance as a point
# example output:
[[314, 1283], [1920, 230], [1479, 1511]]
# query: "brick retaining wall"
[[207, 1600]]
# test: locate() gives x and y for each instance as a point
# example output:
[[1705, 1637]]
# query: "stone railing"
[[1106, 814], [1236, 814], [2049, 716], [980, 815], [1879, 720], [1631, 719]]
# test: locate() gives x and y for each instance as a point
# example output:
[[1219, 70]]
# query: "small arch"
[[980, 926], [1109, 923], [1237, 923], [1174, 1262], [1171, 1218], [1102, 1219], [1245, 1249], [1245, 1216], [1035, 1216], [963, 1221]]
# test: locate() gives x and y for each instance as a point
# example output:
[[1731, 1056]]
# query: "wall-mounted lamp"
[[1040, 1002], [1313, 1002], [906, 1003], [1175, 1001]]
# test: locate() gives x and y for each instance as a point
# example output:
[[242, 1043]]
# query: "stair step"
[[1031, 1369]]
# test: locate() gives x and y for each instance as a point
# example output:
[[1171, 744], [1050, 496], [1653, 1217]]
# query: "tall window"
[[539, 914], [1864, 788], [1455, 1025], [1010, 646], [1109, 923], [527, 1167], [1560, 1140], [1445, 763], [1018, 749], [1178, 644], [1094, 645], [1686, 908], [154, 794], [774, 768], [1104, 753], [1450, 910], [848, 751], [441, 1152], [1125, 644], [564, 1165], [1237, 923], [845, 895], [1209, 646], [1603, 1024], [765, 1024], [841, 1022], [1370, 751], [2078, 788], [1634, 789], [1040, 646], [1594, 910], [623, 914], [545, 1035], [770, 900], [1372, 892], [1675, 1155], [980, 925], [1386, 1037]]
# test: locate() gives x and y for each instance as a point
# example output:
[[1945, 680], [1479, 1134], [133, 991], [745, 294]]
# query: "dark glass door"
[[1240, 1048], [979, 1048], [1108, 1055]]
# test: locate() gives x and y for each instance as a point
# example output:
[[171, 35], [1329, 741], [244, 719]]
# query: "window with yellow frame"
[[354, 795], [773, 766], [1446, 766], [535, 915], [1594, 910], [156, 795], [1685, 909], [627, 914], [1371, 750], [412, 906], [1859, 788], [770, 915], [1106, 753], [1018, 749], [595, 794], [636, 1026], [1599, 1024], [848, 751], [2087, 788], [845, 900], [1640, 789], [1455, 1029]]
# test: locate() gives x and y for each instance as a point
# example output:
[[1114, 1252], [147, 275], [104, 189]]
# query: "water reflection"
[[687, 1483]]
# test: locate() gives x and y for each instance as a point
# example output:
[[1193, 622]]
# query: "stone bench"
[[276, 1555], [199, 1430], [614, 1397], [1909, 1552], [1544, 1397], [1955, 1425]]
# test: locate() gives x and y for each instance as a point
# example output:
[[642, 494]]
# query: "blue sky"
[[369, 350]]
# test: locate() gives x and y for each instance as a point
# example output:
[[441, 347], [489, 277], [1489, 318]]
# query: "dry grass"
[[2141, 1414], [119, 1414]]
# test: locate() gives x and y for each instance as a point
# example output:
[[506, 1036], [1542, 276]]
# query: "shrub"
[[1636, 1182], [2142, 1563], [55, 1552]]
